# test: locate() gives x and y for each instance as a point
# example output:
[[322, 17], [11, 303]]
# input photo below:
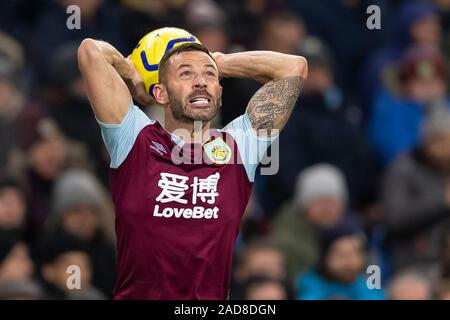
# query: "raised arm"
[[283, 77], [111, 80]]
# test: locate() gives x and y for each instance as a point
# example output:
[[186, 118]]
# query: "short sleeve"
[[120, 138], [251, 147]]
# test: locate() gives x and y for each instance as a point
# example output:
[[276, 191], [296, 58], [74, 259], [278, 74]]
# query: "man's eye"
[[185, 73], [210, 73]]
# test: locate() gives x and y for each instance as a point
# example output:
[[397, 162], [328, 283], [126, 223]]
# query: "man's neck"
[[189, 132]]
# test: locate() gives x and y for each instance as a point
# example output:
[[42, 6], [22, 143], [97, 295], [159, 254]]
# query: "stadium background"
[[364, 174]]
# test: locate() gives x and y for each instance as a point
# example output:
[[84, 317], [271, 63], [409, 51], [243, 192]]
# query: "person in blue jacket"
[[415, 23], [339, 274], [398, 114]]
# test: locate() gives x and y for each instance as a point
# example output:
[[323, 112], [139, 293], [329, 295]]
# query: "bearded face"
[[198, 106], [193, 87]]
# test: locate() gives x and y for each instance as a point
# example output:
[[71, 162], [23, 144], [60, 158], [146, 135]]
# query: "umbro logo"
[[158, 147]]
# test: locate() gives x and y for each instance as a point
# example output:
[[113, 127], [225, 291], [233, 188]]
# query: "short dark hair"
[[185, 47], [255, 281], [255, 245]]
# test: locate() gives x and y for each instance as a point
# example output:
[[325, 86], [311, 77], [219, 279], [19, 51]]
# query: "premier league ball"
[[151, 48]]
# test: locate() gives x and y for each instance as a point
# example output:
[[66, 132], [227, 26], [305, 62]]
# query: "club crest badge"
[[218, 151]]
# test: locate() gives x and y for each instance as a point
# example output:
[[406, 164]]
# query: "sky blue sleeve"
[[119, 138], [251, 147]]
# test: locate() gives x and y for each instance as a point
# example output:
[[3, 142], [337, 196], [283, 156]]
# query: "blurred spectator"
[[20, 290], [444, 256], [57, 252], [141, 17], [396, 117], [442, 291], [444, 9], [247, 17], [212, 36], [324, 127], [12, 205], [16, 268], [441, 274], [283, 32], [45, 157], [416, 196], [409, 285], [202, 12], [254, 224], [11, 49], [29, 139], [339, 274], [280, 31], [207, 22], [70, 107], [13, 100], [416, 23], [257, 258], [265, 288], [19, 16], [99, 19], [342, 25], [319, 202], [81, 207], [15, 263]]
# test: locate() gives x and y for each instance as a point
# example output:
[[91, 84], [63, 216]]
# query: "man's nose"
[[200, 82]]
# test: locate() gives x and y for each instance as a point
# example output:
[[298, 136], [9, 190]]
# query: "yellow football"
[[151, 48]]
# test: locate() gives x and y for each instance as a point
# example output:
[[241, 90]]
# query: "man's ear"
[[160, 94]]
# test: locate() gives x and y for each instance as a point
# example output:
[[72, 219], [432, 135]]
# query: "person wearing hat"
[[339, 273], [56, 253], [416, 196], [15, 262], [16, 268], [421, 84], [207, 21], [320, 202], [81, 207]]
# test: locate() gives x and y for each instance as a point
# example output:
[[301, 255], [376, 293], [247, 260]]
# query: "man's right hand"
[[135, 84]]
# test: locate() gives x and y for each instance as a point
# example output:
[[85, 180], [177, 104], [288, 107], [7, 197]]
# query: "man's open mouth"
[[200, 100]]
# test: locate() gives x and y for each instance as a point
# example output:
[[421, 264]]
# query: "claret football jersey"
[[178, 206]]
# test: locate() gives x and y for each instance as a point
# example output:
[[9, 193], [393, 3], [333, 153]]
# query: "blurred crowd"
[[364, 162]]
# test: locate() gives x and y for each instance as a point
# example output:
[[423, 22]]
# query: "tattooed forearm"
[[272, 105]]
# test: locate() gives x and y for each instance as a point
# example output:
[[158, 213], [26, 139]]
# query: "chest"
[[160, 185]]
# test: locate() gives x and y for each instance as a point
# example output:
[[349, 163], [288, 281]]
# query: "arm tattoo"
[[272, 104]]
